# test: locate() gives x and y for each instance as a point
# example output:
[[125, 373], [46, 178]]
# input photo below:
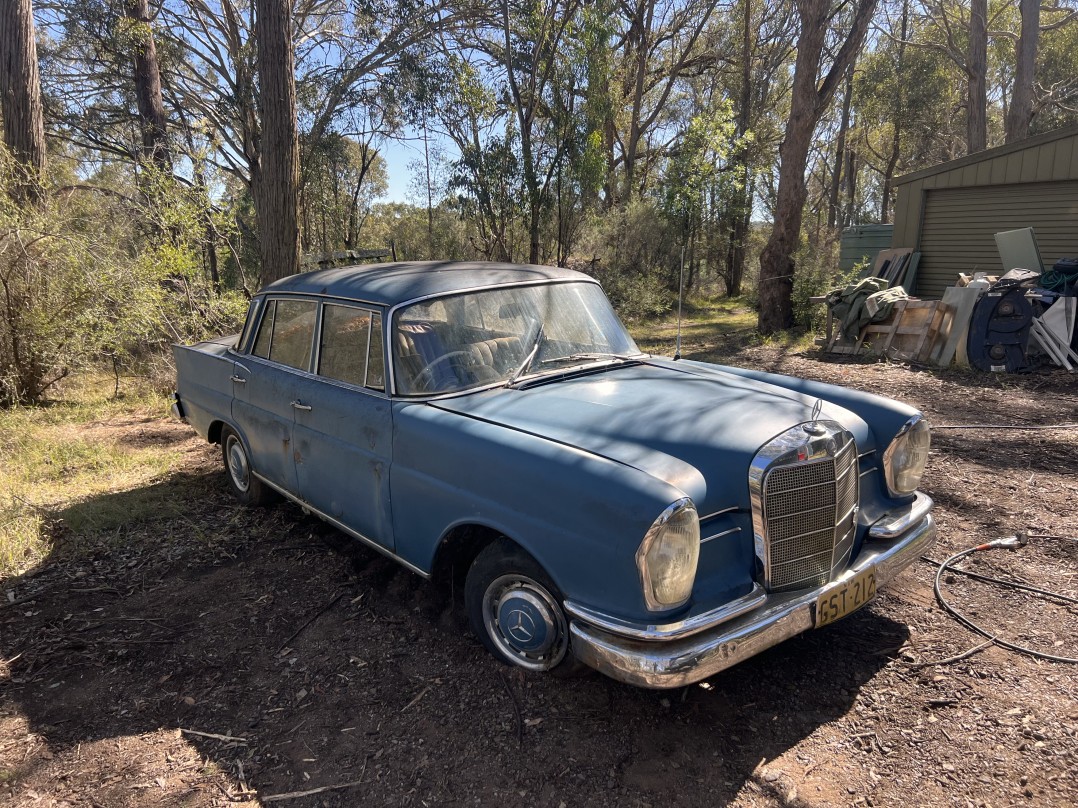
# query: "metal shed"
[[951, 211]]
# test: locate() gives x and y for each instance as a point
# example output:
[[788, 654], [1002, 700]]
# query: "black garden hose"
[[1011, 543]]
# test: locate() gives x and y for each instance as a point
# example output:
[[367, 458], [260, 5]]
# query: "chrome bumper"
[[681, 662]]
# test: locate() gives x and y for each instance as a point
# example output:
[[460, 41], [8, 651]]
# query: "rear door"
[[266, 386], [343, 429]]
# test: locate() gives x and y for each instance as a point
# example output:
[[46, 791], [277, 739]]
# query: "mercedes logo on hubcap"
[[521, 626]]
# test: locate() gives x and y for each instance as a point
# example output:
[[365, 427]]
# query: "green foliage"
[[817, 274], [82, 280], [696, 164], [634, 257], [343, 178], [416, 237]]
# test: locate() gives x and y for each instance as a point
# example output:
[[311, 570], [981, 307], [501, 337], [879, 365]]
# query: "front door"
[[342, 438]]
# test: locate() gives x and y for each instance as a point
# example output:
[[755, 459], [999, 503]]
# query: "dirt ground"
[[220, 655]]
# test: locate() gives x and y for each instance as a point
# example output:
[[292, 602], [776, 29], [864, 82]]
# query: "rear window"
[[286, 334]]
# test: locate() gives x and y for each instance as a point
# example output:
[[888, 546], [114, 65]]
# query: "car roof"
[[390, 284]]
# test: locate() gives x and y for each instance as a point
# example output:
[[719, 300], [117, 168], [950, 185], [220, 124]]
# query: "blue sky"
[[399, 153], [397, 156]]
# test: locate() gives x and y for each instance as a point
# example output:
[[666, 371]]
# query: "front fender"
[[581, 516]]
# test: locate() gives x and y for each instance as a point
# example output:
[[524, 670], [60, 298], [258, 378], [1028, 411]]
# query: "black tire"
[[245, 486], [505, 580]]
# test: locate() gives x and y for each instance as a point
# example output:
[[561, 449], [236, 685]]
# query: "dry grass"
[[712, 328], [56, 459]]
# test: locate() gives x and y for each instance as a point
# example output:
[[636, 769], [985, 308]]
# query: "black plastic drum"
[[999, 331]]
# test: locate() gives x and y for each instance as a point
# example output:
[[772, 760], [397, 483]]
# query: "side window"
[[265, 331], [249, 323], [345, 336], [293, 333]]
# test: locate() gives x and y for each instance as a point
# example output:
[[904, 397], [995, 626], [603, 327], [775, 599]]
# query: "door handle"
[[299, 405], [239, 379]]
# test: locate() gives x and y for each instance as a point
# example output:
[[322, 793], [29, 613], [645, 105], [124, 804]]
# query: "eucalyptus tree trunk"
[[977, 69], [275, 182], [741, 209], [833, 202], [1020, 114], [20, 95], [896, 125], [151, 107], [808, 100]]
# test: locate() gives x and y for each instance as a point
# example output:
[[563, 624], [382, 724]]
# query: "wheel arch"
[[213, 434], [458, 548]]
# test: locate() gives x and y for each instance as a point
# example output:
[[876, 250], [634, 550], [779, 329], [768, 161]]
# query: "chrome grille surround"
[[803, 486]]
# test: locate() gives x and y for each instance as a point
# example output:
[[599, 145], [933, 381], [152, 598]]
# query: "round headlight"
[[668, 556], [905, 459]]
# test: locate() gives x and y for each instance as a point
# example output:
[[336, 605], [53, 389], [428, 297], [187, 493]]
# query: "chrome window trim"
[[266, 307], [367, 358], [670, 631], [306, 374], [315, 336], [254, 315], [349, 304], [322, 296]]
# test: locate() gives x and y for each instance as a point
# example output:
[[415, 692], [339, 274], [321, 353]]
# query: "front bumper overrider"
[[682, 661]]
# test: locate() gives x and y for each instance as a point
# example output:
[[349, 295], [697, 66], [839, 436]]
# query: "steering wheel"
[[425, 377]]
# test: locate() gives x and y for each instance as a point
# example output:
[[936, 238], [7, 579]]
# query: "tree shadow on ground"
[[318, 662]]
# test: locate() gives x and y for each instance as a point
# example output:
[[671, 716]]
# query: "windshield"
[[498, 335]]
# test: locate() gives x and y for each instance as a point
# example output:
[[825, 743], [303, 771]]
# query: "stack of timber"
[[897, 267]]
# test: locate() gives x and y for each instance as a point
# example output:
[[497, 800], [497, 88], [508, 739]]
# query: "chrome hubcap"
[[525, 622], [237, 464]]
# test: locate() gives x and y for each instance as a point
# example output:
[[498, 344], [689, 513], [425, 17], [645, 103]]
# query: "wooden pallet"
[[909, 334]]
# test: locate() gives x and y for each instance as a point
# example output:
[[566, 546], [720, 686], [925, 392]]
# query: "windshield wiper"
[[588, 355], [527, 363]]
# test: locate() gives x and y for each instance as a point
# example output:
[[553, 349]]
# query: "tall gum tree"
[[20, 92], [147, 72], [809, 99], [275, 181]]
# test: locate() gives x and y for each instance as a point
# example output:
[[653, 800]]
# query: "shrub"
[[79, 283], [634, 258]]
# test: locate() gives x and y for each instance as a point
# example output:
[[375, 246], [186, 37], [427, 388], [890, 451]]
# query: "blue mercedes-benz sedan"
[[658, 520]]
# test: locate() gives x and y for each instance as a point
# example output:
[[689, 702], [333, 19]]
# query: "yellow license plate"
[[848, 597]]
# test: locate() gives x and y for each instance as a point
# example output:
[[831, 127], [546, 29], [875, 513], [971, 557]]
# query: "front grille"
[[804, 514]]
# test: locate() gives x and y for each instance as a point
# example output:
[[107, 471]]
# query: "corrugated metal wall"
[[863, 242], [946, 211], [957, 234]]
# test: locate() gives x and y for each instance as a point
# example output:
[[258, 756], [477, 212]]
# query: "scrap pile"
[[1010, 323]]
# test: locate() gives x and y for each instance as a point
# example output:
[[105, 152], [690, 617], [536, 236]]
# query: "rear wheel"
[[246, 487], [514, 608]]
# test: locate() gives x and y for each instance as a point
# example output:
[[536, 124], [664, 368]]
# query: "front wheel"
[[514, 608], [246, 487]]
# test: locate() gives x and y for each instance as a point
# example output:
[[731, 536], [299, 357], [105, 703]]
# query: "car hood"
[[695, 428]]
